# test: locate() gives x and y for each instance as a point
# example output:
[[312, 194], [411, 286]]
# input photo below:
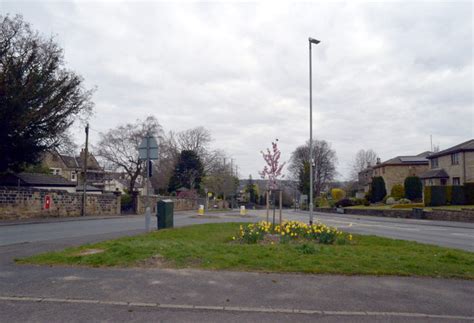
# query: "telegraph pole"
[[147, 210], [84, 179]]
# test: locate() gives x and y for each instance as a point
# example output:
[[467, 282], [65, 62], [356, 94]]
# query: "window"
[[456, 181], [431, 182], [434, 163], [73, 176], [56, 171], [455, 159]]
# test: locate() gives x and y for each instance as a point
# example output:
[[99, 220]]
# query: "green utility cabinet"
[[164, 214]]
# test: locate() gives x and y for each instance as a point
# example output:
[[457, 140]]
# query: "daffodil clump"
[[291, 230]]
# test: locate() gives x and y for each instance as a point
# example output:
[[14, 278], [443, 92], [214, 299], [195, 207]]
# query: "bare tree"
[[67, 145], [362, 160], [324, 164], [220, 180], [196, 139], [119, 146]]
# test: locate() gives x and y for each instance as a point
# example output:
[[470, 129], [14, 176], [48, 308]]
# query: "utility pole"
[[225, 181], [84, 178], [147, 210]]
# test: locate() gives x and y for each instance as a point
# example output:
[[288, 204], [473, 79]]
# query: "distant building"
[[395, 170], [71, 168], [364, 180], [119, 181], [452, 166]]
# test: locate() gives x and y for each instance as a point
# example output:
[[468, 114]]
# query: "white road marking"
[[462, 234], [231, 308]]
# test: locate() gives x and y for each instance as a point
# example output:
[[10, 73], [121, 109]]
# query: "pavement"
[[62, 293]]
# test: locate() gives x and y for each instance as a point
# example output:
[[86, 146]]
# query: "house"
[[395, 170], [364, 181], [119, 181], [38, 181], [71, 167], [452, 166]]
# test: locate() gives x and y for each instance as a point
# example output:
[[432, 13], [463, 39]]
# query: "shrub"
[[126, 199], [344, 203], [469, 193], [378, 189], [435, 195], [403, 201], [337, 194], [390, 201], [357, 201], [413, 188], [397, 192]]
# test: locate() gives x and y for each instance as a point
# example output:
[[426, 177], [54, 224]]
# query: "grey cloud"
[[386, 76]]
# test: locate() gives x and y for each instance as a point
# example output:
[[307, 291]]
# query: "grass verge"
[[210, 246]]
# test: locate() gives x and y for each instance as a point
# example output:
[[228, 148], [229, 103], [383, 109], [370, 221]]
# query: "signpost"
[[148, 150]]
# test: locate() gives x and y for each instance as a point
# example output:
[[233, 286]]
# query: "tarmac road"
[[77, 294]]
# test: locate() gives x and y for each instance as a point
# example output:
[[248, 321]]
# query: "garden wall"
[[27, 203], [464, 215], [180, 204]]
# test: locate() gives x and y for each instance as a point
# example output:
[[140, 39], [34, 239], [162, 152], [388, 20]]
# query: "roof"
[[465, 146], [69, 161], [35, 179], [419, 159], [434, 173], [89, 188]]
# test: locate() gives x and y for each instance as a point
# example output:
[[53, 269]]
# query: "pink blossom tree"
[[272, 170]]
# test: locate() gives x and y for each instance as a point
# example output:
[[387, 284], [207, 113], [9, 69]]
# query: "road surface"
[[77, 294]]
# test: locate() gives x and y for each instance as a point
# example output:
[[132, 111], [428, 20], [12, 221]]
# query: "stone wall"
[[30, 203], [179, 204], [464, 215]]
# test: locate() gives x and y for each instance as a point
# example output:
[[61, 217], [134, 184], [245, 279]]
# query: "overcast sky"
[[385, 76]]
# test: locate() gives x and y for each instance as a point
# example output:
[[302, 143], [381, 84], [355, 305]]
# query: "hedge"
[[449, 195], [458, 195], [469, 193]]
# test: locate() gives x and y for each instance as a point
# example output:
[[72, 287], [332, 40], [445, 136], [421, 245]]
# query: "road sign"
[[150, 143]]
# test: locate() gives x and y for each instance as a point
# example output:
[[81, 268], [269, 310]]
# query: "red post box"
[[47, 202]]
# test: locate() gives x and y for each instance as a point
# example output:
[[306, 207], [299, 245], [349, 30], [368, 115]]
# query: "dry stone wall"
[[30, 203], [179, 204]]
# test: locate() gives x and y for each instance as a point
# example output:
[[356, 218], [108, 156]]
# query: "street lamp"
[[311, 41]]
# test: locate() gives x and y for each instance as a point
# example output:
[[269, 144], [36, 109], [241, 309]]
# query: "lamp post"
[[311, 41]]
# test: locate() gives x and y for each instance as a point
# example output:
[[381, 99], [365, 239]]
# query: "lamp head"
[[314, 41]]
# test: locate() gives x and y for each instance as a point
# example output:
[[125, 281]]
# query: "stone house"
[[71, 168], [364, 181], [395, 170], [452, 166]]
